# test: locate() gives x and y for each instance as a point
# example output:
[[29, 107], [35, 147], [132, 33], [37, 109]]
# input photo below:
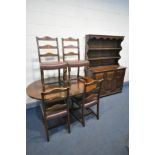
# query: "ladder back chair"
[[70, 51], [89, 98], [55, 105], [47, 50]]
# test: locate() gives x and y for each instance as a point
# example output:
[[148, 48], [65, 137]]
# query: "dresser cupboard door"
[[120, 78], [109, 83], [99, 76], [113, 81]]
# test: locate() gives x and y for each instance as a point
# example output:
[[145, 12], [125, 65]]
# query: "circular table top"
[[76, 87]]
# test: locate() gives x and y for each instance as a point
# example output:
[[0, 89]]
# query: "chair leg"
[[42, 79], [86, 70], [78, 71], [72, 105], [59, 79], [46, 129], [65, 75], [98, 111], [69, 70], [83, 120], [68, 123]]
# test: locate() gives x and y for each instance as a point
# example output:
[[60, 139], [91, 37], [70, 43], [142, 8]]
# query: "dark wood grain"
[[111, 37], [70, 46], [76, 87], [66, 49], [88, 99], [55, 108], [104, 48], [46, 38], [48, 54], [75, 52], [70, 54], [51, 44], [48, 47], [70, 39], [99, 58], [102, 51]]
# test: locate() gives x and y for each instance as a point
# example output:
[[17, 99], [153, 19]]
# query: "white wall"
[[74, 18]]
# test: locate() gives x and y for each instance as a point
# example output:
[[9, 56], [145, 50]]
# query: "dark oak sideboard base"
[[102, 51], [113, 80]]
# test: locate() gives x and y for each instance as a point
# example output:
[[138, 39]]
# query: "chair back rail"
[[48, 46], [66, 48]]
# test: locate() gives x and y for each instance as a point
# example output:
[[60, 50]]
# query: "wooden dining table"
[[76, 87]]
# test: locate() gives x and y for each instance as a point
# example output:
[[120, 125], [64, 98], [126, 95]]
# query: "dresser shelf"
[[104, 48], [103, 58]]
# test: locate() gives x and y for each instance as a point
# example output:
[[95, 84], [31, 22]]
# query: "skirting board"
[[37, 103]]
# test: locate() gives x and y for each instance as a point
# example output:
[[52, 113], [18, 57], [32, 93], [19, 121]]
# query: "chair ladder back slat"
[[47, 47], [66, 48]]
